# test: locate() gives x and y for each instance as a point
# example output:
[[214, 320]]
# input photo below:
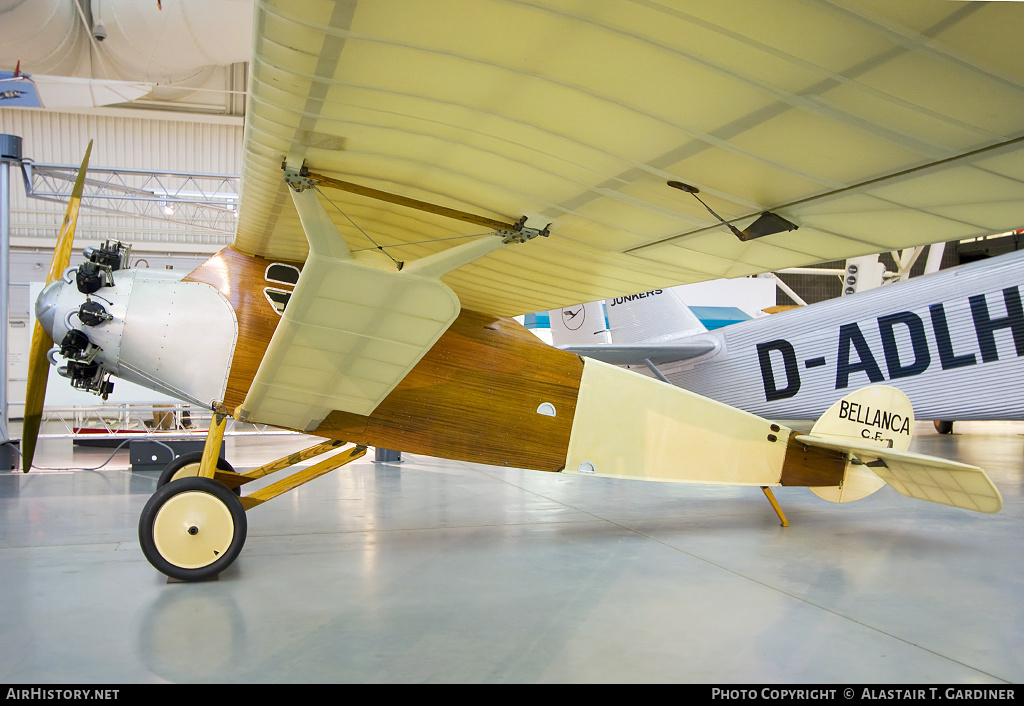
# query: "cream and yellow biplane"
[[416, 173]]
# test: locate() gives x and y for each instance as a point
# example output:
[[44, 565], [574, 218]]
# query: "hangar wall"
[[125, 139]]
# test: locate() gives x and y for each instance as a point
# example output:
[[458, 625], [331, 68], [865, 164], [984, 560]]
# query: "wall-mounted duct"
[[184, 37], [46, 36]]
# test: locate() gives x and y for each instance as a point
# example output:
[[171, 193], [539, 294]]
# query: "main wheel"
[[943, 427], [187, 465], [192, 528]]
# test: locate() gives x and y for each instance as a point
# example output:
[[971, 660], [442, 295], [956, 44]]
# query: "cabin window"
[[278, 298], [283, 274]]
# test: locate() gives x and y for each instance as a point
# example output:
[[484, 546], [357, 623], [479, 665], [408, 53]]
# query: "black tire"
[[173, 469], [192, 528], [943, 427]]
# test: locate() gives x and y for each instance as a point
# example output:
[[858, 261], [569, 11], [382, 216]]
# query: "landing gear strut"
[[194, 525], [187, 466]]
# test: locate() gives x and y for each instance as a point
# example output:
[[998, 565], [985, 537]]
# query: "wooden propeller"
[[38, 365]]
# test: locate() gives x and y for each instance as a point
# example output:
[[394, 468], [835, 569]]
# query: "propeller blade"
[[38, 365]]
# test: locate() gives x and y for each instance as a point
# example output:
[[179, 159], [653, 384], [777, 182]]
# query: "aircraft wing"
[[640, 353], [64, 92], [869, 125]]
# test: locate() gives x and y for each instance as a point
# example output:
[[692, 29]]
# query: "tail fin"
[[648, 317], [651, 317], [583, 324], [874, 426]]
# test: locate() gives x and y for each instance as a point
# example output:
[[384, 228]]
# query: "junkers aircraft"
[[952, 341], [417, 173]]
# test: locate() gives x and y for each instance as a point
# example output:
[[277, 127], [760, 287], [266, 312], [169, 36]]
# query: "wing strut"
[[302, 178], [511, 231], [352, 331], [657, 373]]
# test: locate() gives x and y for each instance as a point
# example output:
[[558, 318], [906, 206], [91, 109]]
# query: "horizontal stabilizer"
[[639, 353], [924, 477]]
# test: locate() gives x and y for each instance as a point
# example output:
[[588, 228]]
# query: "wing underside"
[[870, 125]]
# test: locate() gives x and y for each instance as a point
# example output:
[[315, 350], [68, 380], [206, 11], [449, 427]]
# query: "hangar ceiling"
[[191, 58], [192, 52]]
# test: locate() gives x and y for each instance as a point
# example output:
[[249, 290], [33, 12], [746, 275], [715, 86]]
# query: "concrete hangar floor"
[[436, 571]]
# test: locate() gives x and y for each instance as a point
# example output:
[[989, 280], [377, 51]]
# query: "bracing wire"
[[356, 226], [427, 242], [381, 248]]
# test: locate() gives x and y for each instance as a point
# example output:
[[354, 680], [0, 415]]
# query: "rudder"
[[874, 426], [879, 415]]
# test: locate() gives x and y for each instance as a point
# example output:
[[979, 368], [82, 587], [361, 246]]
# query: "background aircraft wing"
[[640, 353], [869, 125]]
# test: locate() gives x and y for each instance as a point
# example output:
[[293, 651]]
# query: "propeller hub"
[[47, 306]]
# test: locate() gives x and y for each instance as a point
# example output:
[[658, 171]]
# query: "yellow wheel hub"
[[188, 471], [193, 529]]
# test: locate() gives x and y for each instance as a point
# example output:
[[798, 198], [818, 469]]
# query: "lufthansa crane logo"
[[573, 317]]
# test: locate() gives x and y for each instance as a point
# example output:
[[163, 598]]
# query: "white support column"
[[934, 261], [10, 154]]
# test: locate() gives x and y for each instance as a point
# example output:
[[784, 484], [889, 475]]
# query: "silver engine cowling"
[[145, 326]]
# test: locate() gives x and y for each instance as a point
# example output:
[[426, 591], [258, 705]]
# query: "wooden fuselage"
[[491, 392], [473, 397]]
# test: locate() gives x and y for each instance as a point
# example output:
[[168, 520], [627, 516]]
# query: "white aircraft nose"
[[47, 305]]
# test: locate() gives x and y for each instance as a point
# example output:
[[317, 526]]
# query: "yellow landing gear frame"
[[194, 525]]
